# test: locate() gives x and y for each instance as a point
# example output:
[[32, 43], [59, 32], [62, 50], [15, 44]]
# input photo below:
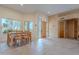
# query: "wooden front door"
[[61, 29], [43, 29]]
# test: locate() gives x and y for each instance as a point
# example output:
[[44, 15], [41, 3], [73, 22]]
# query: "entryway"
[[42, 28]]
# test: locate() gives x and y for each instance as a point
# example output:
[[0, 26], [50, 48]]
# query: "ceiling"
[[48, 9]]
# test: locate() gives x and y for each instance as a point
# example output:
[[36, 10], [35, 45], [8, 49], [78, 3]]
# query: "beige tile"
[[54, 46]]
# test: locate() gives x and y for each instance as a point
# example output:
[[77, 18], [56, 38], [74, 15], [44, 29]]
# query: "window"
[[9, 25], [28, 26], [5, 25], [0, 25], [16, 25]]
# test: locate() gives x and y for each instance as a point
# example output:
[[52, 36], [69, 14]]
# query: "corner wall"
[[53, 26]]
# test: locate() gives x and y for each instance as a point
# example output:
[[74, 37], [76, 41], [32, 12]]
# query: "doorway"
[[43, 29], [71, 28], [61, 29]]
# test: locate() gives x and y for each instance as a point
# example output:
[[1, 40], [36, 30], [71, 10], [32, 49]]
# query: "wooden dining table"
[[13, 37]]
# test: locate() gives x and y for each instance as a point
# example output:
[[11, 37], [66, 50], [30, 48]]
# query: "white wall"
[[53, 26], [10, 13]]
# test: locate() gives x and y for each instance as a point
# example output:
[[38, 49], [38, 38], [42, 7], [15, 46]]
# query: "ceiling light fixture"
[[48, 12], [21, 4]]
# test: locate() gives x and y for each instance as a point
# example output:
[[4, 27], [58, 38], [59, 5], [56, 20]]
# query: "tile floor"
[[54, 46]]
